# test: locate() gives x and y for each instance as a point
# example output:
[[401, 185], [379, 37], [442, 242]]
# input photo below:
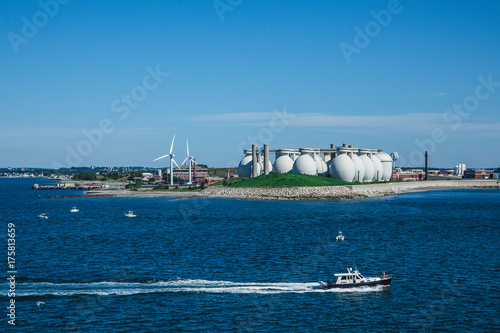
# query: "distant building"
[[459, 169], [211, 180], [478, 174], [415, 174], [146, 176], [198, 174], [433, 172]]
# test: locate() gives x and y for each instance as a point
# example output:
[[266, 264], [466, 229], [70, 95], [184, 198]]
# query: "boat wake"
[[45, 289]]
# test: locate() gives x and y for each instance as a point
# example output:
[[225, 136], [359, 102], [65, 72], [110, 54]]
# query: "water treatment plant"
[[346, 163]]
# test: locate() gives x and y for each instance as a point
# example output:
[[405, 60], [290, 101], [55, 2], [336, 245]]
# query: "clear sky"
[[110, 82]]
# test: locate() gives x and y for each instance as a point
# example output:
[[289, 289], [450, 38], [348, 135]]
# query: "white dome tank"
[[386, 164], [379, 168], [321, 168], [245, 166], [342, 166], [359, 167], [325, 172], [304, 164], [283, 164], [330, 160], [368, 164]]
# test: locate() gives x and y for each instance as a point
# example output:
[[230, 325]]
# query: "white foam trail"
[[175, 286]]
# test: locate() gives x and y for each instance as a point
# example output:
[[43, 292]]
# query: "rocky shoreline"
[[303, 193], [282, 193], [342, 192]]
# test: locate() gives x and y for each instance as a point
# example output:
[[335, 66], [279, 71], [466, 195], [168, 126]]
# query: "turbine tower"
[[172, 161], [190, 159]]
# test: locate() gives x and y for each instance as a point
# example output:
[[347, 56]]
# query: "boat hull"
[[385, 282]]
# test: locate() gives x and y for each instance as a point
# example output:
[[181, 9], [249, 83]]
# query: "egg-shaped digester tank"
[[321, 168], [283, 163], [378, 167], [368, 164], [386, 164], [359, 167], [304, 164], [342, 166], [245, 166]]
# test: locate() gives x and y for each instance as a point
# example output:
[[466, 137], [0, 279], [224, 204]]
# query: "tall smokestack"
[[426, 174], [254, 161], [266, 159]]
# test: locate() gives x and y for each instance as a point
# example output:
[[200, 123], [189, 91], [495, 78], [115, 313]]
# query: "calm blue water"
[[213, 265]]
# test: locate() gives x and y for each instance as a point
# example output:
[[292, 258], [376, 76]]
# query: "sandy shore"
[[305, 193]]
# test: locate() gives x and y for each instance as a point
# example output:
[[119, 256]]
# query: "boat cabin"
[[350, 277]]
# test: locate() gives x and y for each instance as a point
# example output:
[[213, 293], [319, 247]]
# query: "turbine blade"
[[184, 161], [172, 146], [159, 158], [175, 163], [187, 145]]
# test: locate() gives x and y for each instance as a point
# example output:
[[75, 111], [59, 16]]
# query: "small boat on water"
[[130, 214], [74, 210], [340, 237], [353, 278], [43, 216]]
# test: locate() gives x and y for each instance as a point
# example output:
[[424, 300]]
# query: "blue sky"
[[109, 83]]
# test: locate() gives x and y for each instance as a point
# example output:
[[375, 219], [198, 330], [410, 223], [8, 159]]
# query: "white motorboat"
[[74, 210], [130, 214], [43, 216], [353, 278], [340, 237]]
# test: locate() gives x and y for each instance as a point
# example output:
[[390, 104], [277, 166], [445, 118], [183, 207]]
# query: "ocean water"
[[223, 265]]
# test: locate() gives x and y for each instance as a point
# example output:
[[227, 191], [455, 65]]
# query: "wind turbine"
[[190, 161], [172, 161]]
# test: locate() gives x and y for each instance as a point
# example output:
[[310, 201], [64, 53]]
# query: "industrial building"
[[407, 175], [478, 174], [459, 169], [198, 174], [345, 163]]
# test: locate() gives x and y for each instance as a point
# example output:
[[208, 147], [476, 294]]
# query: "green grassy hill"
[[284, 179]]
